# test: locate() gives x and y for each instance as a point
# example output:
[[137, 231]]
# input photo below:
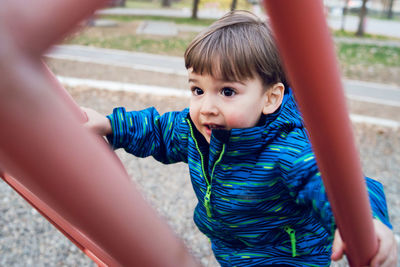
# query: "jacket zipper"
[[207, 196], [292, 234]]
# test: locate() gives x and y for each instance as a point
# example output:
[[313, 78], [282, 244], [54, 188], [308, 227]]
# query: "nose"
[[209, 106]]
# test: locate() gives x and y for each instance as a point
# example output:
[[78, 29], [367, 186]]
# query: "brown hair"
[[236, 47]]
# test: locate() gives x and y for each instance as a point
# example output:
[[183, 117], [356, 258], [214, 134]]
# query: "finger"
[[386, 245], [391, 260], [388, 261], [337, 247]]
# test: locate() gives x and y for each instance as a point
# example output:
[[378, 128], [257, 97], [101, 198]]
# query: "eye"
[[197, 91], [227, 91]]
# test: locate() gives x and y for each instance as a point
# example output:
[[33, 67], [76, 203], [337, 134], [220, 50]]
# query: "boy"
[[261, 197]]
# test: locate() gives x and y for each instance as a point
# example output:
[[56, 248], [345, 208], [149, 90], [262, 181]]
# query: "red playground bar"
[[308, 54]]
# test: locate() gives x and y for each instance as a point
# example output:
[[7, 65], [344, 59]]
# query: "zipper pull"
[[292, 235], [207, 201]]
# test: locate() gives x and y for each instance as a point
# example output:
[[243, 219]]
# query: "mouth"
[[214, 126], [210, 126]]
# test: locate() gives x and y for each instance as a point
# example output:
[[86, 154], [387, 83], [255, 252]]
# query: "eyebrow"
[[238, 82], [195, 80], [233, 82]]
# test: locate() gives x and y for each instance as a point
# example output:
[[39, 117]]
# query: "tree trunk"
[[113, 3], [345, 11], [390, 9], [195, 8], [166, 3], [233, 5], [362, 16]]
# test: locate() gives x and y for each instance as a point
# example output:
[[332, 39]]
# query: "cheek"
[[242, 119], [192, 107], [237, 120], [194, 113]]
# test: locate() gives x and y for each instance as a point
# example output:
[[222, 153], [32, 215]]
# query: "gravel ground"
[[27, 239]]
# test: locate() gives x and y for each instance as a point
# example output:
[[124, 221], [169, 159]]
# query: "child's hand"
[[97, 122], [387, 246]]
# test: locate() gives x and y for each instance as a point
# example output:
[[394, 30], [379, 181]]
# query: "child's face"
[[216, 103]]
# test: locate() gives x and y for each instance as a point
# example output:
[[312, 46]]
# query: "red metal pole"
[[67, 98], [37, 24], [65, 227], [66, 170], [307, 50], [74, 173]]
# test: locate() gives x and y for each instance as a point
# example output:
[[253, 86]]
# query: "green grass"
[[190, 21], [349, 54], [174, 46], [154, 5], [340, 33], [368, 55]]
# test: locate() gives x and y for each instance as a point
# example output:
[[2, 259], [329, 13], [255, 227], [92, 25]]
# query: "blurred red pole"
[[66, 228], [37, 24], [67, 98], [308, 53], [61, 166]]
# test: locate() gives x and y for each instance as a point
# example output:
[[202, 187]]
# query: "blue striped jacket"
[[261, 200]]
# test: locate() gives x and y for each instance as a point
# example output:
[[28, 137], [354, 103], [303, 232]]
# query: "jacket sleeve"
[[146, 133], [305, 184]]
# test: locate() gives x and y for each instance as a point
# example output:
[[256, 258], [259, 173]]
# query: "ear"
[[274, 98]]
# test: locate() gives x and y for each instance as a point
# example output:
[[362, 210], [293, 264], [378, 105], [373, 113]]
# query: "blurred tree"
[[195, 8], [233, 5], [344, 14], [166, 3], [117, 3], [362, 18], [390, 9]]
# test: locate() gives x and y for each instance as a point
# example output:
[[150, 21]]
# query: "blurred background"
[[130, 54]]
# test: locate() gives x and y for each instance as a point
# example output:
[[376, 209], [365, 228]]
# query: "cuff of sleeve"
[[118, 128], [378, 202]]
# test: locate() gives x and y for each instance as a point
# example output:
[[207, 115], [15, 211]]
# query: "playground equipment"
[[307, 50], [63, 170], [90, 198]]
